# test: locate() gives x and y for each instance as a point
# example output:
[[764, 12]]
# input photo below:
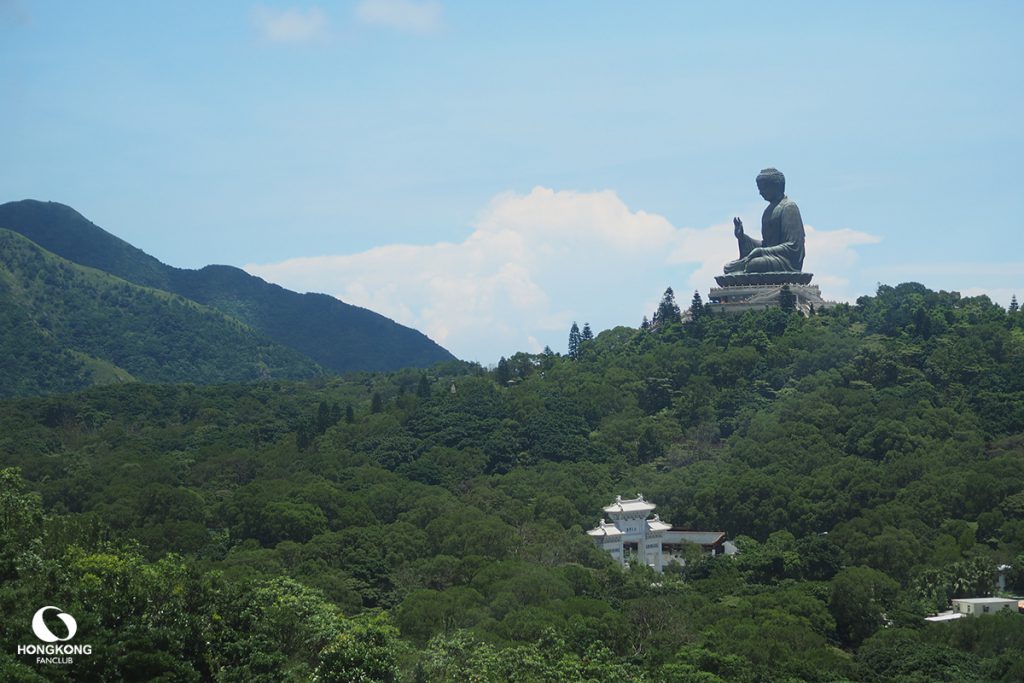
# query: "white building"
[[632, 537], [976, 607]]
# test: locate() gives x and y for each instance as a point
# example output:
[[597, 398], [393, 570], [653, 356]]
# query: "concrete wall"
[[977, 608]]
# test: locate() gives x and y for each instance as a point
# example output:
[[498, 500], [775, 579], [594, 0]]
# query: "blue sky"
[[490, 172]]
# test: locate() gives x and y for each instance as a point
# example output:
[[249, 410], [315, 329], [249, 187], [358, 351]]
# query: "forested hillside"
[[67, 327], [336, 335], [429, 526]]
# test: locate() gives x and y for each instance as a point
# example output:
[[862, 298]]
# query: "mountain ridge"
[[338, 336], [67, 326]]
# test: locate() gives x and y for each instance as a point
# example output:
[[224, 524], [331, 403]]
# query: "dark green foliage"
[[861, 598], [900, 655], [502, 375], [65, 232], [336, 335], [32, 361], [868, 462], [423, 388], [649, 447]]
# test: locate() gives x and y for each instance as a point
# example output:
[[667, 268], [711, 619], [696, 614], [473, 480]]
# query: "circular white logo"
[[44, 633]]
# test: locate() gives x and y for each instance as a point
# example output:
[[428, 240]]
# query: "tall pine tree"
[[587, 334], [668, 309], [574, 341], [696, 306], [1014, 306], [503, 374]]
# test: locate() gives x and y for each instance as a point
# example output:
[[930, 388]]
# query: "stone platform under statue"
[[748, 279], [741, 292]]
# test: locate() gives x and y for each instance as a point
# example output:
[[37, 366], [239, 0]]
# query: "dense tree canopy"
[[868, 461]]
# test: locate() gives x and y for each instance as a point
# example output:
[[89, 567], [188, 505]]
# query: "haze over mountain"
[[338, 336]]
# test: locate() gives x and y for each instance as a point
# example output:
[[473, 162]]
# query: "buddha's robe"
[[781, 243]]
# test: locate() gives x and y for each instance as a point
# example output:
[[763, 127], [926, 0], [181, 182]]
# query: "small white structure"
[[632, 537], [1001, 572], [945, 616], [976, 607]]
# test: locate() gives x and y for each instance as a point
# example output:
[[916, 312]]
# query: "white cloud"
[[832, 257], [291, 25], [404, 15], [532, 265]]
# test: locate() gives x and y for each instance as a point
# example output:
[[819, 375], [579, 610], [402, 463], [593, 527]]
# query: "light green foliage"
[[21, 526], [364, 652], [274, 632], [463, 658]]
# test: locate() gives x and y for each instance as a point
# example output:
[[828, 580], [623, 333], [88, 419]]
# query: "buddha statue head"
[[771, 184]]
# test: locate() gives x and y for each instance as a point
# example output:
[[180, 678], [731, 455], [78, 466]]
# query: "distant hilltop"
[[313, 330]]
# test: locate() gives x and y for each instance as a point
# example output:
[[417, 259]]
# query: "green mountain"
[[338, 336], [66, 326]]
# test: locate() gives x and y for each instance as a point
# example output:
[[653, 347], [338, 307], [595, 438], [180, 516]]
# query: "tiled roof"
[[656, 524], [637, 504], [604, 529]]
